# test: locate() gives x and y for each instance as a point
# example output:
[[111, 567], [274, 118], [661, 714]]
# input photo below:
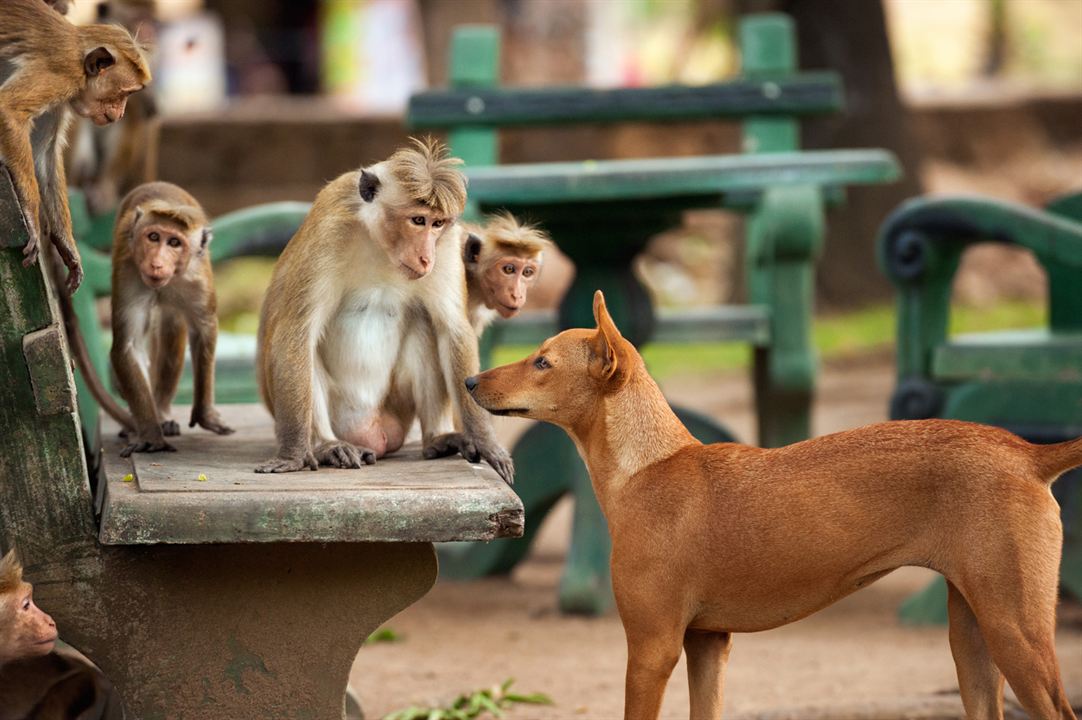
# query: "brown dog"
[[709, 540]]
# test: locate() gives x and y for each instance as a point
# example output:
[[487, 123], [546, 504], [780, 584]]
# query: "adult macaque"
[[108, 162], [163, 294], [47, 64], [368, 284], [37, 680], [503, 261]]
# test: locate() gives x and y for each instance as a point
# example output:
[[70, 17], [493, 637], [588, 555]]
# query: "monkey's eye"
[[438, 223], [154, 237], [508, 269], [528, 272], [541, 363], [418, 220], [174, 242]]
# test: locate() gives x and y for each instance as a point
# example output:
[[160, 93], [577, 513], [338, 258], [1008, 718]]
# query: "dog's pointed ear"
[[607, 342]]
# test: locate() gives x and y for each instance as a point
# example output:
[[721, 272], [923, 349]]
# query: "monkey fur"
[[371, 282], [47, 64], [162, 296]]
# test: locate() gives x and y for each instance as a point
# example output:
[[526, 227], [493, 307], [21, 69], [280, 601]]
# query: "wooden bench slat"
[[1036, 355], [402, 498], [725, 323], [590, 181], [804, 94]]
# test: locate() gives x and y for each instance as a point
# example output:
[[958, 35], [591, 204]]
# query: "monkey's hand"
[[474, 450], [287, 464], [209, 419], [70, 256], [142, 446], [343, 455]]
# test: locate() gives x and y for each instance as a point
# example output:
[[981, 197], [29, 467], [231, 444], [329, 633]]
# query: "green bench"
[[603, 212], [205, 591], [1028, 381]]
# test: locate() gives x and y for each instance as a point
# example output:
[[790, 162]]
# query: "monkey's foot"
[[30, 250], [343, 455], [474, 450], [147, 446], [284, 465], [170, 428], [70, 256], [209, 419]]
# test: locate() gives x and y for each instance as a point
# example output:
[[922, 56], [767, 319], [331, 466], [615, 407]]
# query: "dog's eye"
[[541, 363]]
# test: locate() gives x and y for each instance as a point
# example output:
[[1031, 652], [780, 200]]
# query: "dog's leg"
[[979, 679], [707, 653], [1015, 606], [651, 656]]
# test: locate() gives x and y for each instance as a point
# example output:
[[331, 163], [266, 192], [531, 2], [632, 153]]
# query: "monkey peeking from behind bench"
[[37, 679]]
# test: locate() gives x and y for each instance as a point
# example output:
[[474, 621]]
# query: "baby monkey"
[[163, 295], [503, 260]]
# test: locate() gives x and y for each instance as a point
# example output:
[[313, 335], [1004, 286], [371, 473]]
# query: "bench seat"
[[402, 498]]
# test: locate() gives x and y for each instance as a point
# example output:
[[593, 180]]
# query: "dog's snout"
[[471, 383]]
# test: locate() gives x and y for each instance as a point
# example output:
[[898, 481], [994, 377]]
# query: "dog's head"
[[564, 379]]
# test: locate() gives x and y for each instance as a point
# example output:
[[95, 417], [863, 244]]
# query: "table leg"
[[231, 631]]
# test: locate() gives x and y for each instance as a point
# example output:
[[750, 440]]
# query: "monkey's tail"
[[1054, 460], [82, 359]]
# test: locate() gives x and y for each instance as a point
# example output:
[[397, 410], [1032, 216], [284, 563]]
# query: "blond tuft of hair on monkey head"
[[11, 573], [426, 173]]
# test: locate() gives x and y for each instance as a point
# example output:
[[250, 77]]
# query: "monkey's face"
[[162, 251], [506, 281], [25, 630], [111, 76], [410, 239]]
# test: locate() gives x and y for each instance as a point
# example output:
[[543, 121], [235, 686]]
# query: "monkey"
[[163, 289], [37, 679], [372, 278], [46, 65], [503, 261], [107, 163], [61, 6]]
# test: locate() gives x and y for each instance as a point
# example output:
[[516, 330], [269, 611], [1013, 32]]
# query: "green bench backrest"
[[769, 97]]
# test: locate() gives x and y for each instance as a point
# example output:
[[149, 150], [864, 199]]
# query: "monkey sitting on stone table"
[[37, 680], [47, 64], [503, 260], [162, 297], [372, 287]]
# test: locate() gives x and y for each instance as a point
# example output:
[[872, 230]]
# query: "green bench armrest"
[[920, 246]]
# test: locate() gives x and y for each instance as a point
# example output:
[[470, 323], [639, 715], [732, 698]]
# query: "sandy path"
[[463, 636]]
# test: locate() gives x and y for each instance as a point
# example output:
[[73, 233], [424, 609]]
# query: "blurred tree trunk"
[[850, 36]]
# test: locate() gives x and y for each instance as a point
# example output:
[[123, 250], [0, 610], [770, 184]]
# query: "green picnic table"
[[602, 213]]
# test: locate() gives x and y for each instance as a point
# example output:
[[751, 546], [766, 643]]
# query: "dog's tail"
[[1054, 460]]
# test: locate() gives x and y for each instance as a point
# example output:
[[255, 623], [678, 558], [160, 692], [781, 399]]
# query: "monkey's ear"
[[369, 184], [207, 237], [98, 61], [472, 252]]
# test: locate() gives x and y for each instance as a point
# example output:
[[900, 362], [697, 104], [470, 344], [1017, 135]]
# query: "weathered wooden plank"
[[656, 178], [400, 498], [810, 93]]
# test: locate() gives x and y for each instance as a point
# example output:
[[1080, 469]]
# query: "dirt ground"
[[467, 635]]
